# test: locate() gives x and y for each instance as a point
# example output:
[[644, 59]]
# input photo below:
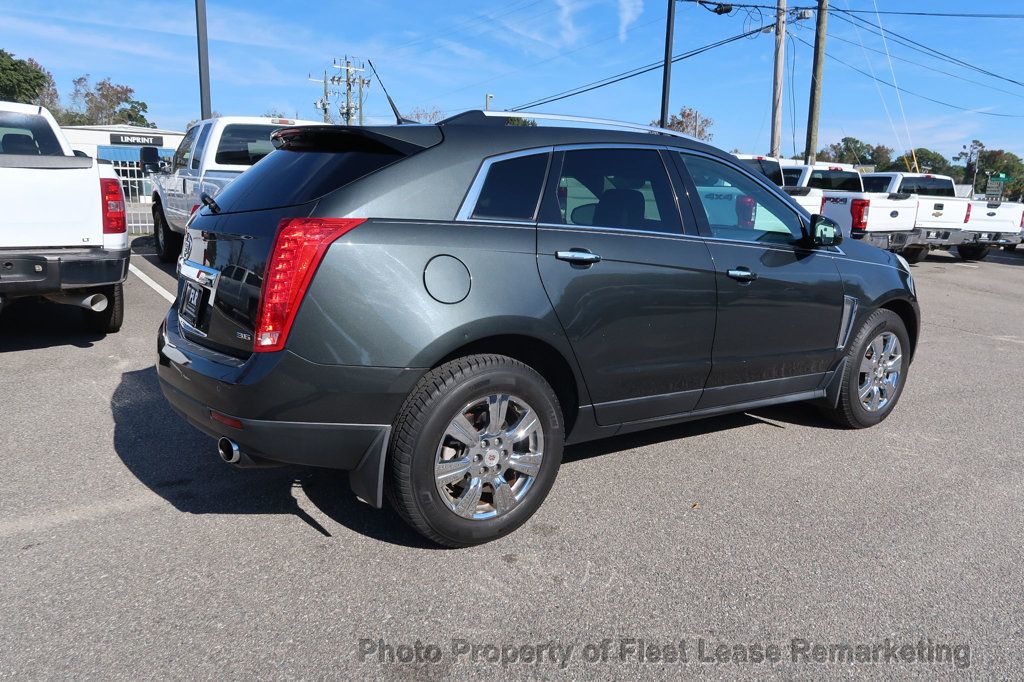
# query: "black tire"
[[972, 251], [915, 255], [849, 411], [419, 429], [1010, 247], [168, 242], [107, 321]]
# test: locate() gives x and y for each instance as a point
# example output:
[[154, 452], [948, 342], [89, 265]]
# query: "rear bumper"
[[28, 272], [940, 237], [291, 411], [990, 238], [890, 241]]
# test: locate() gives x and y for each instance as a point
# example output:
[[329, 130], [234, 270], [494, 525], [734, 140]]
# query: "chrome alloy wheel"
[[880, 372], [489, 456]]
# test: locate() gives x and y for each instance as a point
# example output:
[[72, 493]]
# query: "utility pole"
[[487, 101], [780, 68], [814, 107], [324, 103], [348, 91], [666, 76], [205, 109]]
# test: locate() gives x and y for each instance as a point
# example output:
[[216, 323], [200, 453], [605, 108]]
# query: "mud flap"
[[367, 479]]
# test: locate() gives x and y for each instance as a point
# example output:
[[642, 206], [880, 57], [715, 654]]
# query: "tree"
[[691, 122], [852, 150], [21, 80], [432, 115], [997, 161], [213, 114], [104, 103], [928, 161], [969, 155], [521, 122], [274, 112]]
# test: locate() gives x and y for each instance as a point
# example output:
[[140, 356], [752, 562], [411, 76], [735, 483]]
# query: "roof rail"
[[621, 125]]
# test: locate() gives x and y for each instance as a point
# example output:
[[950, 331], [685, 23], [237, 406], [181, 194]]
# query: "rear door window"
[[243, 144], [792, 176], [625, 188], [937, 187], [880, 184], [843, 181], [27, 134], [766, 167], [512, 189]]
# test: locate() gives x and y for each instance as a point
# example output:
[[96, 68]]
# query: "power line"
[[960, 15], [610, 80], [832, 36], [915, 94], [920, 47]]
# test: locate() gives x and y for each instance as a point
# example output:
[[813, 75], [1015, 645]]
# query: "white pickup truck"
[[993, 224], [63, 234], [836, 191], [211, 155], [941, 215]]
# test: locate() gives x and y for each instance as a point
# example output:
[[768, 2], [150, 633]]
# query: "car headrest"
[[19, 143], [619, 208]]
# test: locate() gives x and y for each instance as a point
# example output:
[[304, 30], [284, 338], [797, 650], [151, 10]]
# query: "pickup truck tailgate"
[[996, 216], [50, 201], [941, 212]]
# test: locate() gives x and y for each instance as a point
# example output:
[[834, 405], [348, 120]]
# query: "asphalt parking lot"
[[130, 551]]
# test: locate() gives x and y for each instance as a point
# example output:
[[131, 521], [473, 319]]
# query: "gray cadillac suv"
[[438, 309]]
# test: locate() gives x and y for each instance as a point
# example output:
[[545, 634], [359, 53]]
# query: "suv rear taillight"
[[298, 248], [967, 216], [859, 213], [114, 218]]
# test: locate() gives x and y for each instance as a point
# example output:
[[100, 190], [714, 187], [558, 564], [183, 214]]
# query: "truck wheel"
[[875, 372], [168, 242], [107, 321], [972, 251], [1010, 247], [915, 255], [475, 450]]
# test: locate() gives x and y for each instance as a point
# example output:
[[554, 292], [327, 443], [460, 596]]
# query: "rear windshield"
[[792, 176], [287, 178], [933, 187], [879, 184], [844, 181], [27, 134], [243, 144], [771, 169]]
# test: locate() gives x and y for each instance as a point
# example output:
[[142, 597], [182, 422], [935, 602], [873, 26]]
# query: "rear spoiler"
[[404, 139]]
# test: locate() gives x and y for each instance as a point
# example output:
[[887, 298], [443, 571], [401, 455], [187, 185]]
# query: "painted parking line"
[[151, 283]]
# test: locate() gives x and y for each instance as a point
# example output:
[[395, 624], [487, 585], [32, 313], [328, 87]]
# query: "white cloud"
[[566, 9], [629, 11]]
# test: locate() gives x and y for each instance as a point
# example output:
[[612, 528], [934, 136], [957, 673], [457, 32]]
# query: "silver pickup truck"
[[211, 155]]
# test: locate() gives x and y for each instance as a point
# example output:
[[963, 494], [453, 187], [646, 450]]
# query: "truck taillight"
[[967, 216], [114, 219], [1022, 221], [298, 248], [821, 209], [746, 210], [859, 213]]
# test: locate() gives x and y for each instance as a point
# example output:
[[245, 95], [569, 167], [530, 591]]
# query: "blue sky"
[[447, 55]]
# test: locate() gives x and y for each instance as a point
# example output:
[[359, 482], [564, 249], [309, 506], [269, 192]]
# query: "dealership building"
[[120, 145]]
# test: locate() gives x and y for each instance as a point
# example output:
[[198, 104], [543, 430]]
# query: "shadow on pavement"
[[32, 324], [180, 464]]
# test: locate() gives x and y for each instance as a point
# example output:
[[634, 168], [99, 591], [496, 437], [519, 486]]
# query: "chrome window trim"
[[465, 213]]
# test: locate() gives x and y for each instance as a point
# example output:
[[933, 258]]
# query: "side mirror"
[[825, 231]]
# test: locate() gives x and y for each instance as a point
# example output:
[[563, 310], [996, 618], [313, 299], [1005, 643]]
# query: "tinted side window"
[[938, 187], [770, 169], [626, 188], [844, 181], [739, 208], [876, 184], [512, 188], [243, 144], [197, 156], [27, 134], [182, 154], [792, 176]]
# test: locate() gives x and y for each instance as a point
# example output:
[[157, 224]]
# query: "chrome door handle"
[[742, 275], [578, 257]]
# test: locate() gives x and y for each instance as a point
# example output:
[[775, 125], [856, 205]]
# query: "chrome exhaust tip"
[[228, 451]]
